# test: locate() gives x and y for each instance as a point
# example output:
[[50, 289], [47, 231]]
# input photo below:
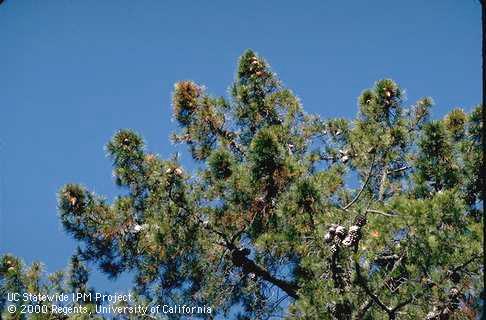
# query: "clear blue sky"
[[73, 72]]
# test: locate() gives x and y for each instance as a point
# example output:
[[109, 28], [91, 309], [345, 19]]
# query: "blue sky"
[[73, 72]]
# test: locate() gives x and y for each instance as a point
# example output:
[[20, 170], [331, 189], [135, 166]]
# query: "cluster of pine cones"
[[338, 234]]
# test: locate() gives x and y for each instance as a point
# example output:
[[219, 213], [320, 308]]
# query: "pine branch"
[[399, 169], [364, 284], [240, 259], [381, 212], [420, 294]]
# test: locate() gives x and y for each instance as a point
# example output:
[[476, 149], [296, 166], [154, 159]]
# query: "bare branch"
[[465, 264], [370, 173], [381, 212], [399, 169]]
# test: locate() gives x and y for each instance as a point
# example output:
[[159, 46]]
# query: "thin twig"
[[381, 212], [399, 169], [356, 198]]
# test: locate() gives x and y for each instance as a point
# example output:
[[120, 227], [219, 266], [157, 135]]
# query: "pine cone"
[[347, 242], [432, 315], [178, 171], [328, 237], [354, 235], [73, 200], [455, 276], [245, 251], [453, 293], [332, 229], [341, 232], [331, 233], [360, 220]]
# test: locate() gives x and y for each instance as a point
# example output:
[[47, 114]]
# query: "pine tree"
[[268, 224]]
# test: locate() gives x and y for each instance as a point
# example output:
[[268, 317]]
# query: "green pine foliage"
[[269, 225], [16, 277]]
